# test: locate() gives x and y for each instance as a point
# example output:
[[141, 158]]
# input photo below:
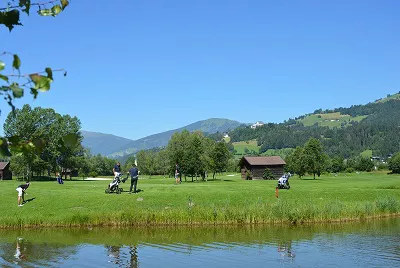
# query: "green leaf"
[[56, 10], [70, 140], [45, 12], [42, 83], [16, 90], [16, 62], [10, 18], [34, 92], [3, 77], [26, 4], [39, 144], [4, 151], [49, 73], [2, 65], [64, 4]]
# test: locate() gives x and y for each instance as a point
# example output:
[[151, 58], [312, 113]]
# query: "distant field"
[[241, 146], [367, 153], [330, 120]]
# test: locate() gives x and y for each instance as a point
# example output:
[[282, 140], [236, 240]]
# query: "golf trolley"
[[113, 187]]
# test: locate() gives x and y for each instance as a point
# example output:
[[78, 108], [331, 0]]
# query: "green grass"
[[227, 200], [330, 119], [240, 147], [366, 153]]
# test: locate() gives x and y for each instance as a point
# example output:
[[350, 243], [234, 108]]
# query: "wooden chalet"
[[255, 166], [5, 172]]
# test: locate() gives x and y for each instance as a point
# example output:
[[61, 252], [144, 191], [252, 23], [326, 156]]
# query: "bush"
[[248, 175], [349, 170], [93, 174], [365, 164], [382, 166], [394, 163], [267, 175]]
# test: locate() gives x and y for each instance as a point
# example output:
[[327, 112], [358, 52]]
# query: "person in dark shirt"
[[21, 192], [134, 172], [59, 178], [117, 169]]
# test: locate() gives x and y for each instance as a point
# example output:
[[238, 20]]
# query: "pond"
[[374, 243]]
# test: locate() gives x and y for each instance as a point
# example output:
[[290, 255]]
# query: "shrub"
[[382, 166], [394, 163], [267, 175], [248, 175], [93, 174]]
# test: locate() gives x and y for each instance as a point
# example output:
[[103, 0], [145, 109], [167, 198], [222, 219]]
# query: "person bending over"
[[21, 193]]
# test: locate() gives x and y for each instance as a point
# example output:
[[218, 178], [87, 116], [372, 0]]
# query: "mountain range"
[[343, 131], [118, 147]]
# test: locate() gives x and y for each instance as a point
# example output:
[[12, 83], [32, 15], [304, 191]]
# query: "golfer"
[[134, 172], [21, 192]]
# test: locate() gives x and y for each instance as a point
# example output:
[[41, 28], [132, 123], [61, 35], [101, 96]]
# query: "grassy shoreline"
[[225, 201]]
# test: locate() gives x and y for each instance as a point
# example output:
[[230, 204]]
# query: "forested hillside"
[[378, 130]]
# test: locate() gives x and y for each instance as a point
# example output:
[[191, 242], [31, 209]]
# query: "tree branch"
[[27, 75], [32, 4]]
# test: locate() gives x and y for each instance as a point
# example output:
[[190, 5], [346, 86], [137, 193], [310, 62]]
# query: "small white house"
[[257, 124]]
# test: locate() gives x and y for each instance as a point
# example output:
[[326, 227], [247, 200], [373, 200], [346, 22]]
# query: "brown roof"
[[264, 160], [3, 165]]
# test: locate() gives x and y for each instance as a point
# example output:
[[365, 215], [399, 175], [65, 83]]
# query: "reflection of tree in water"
[[26, 253], [134, 257], [114, 253], [285, 248], [123, 260]]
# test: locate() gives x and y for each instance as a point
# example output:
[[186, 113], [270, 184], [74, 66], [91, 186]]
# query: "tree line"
[[195, 154], [58, 148]]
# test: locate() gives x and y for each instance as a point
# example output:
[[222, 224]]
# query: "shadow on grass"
[[29, 200], [137, 191]]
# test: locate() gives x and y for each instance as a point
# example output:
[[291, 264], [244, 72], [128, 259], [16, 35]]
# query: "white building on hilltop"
[[257, 124]]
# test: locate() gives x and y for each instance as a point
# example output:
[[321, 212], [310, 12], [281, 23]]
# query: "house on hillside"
[[5, 172], [257, 124], [256, 165]]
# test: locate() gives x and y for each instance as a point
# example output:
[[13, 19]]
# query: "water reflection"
[[285, 248], [20, 252], [367, 244]]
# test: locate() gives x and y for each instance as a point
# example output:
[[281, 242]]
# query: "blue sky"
[[137, 68]]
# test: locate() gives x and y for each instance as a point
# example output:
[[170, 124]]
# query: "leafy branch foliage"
[[13, 84]]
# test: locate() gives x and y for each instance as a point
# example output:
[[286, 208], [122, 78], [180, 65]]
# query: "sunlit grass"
[[227, 200]]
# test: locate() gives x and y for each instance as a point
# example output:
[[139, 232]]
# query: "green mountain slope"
[[343, 131]]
